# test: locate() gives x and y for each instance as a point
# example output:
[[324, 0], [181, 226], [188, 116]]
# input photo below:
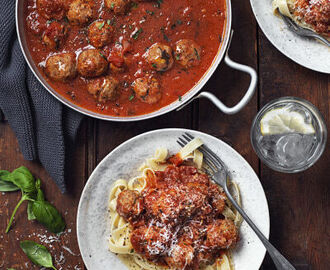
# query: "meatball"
[[159, 57], [117, 6], [99, 33], [129, 204], [54, 35], [150, 241], [80, 12], [147, 89], [218, 198], [180, 255], [194, 202], [61, 67], [51, 9], [221, 234], [161, 204], [103, 89], [91, 63], [187, 53]]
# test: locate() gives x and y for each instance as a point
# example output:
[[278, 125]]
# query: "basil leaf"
[[22, 178], [40, 194], [38, 254], [3, 173], [8, 186], [47, 215], [30, 214]]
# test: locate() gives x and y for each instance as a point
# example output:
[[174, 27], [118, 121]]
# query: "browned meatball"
[[80, 12], [159, 57], [150, 241], [218, 197], [54, 35], [91, 63], [129, 204], [163, 205], [61, 67], [51, 9], [221, 234], [99, 33], [187, 53], [117, 6], [147, 89], [180, 255], [104, 88]]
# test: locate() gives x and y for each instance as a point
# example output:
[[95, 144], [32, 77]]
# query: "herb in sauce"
[[180, 98], [50, 21], [101, 25], [131, 97], [103, 56], [150, 12], [158, 3], [137, 33], [162, 29], [197, 54], [112, 21]]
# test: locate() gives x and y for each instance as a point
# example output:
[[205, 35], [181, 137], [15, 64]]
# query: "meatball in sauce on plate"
[[178, 219]]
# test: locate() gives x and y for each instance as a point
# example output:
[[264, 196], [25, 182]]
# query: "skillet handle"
[[248, 95]]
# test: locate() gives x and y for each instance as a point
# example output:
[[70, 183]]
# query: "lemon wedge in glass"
[[282, 120]]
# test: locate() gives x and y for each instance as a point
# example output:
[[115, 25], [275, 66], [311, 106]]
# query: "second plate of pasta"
[[109, 207], [304, 51]]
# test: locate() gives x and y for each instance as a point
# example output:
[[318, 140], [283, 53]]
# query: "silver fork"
[[219, 173], [304, 32]]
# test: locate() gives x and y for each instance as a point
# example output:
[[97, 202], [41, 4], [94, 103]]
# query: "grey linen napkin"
[[45, 129]]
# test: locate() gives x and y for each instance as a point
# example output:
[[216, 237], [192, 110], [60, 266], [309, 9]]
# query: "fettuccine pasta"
[[119, 241]]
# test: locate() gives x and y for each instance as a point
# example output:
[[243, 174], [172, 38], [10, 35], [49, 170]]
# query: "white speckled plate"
[[306, 52], [93, 219]]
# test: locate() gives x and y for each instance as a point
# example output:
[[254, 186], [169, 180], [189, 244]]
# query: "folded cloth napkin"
[[45, 129]]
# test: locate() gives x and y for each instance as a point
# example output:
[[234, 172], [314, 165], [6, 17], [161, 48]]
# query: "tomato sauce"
[[146, 23], [178, 219]]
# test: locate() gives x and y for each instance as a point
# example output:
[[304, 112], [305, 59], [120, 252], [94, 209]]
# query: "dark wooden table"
[[298, 203]]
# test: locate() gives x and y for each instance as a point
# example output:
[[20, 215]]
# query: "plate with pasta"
[[313, 15], [150, 205]]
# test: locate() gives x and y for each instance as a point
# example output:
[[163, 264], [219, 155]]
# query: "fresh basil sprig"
[[37, 208], [38, 254], [24, 180]]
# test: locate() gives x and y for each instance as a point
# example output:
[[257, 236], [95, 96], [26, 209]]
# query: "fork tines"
[[211, 159]]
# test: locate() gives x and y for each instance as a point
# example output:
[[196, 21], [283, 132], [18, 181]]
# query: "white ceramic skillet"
[[189, 96]]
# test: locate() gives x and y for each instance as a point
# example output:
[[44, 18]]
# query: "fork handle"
[[322, 39], [280, 262]]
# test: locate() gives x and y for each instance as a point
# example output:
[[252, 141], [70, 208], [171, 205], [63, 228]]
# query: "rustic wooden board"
[[299, 203]]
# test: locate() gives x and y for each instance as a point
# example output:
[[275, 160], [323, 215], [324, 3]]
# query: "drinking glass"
[[290, 152]]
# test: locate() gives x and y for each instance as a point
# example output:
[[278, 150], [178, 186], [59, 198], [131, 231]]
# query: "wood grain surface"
[[298, 203]]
